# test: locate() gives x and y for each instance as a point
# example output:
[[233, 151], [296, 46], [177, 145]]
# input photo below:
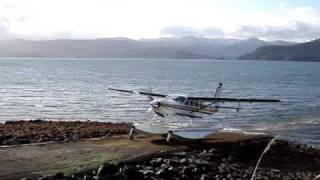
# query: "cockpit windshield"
[[180, 99], [177, 98]]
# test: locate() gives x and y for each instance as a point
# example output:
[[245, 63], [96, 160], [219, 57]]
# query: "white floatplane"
[[193, 107]]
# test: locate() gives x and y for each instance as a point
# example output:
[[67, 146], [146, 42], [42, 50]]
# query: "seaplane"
[[194, 107]]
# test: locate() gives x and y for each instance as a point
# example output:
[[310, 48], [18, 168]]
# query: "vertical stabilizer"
[[218, 94], [218, 90]]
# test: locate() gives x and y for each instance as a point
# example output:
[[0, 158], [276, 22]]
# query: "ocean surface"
[[76, 89]]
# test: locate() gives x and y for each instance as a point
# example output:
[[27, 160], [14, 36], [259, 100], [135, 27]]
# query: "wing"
[[249, 100], [138, 92]]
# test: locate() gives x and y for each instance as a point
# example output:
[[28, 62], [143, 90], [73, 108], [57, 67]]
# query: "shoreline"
[[217, 156], [93, 154], [42, 131]]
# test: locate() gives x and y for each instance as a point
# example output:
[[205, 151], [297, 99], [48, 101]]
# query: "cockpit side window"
[[180, 99]]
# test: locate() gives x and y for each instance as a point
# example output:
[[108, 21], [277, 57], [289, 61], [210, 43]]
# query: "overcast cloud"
[[78, 19], [295, 24], [295, 31], [180, 31], [4, 32]]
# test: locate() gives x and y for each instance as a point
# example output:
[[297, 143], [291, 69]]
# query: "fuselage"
[[181, 105]]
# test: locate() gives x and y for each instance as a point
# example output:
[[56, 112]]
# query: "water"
[[76, 89]]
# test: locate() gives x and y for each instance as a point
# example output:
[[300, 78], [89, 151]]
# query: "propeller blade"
[[121, 90], [150, 91]]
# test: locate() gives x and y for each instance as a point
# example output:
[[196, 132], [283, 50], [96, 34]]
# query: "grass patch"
[[86, 164]]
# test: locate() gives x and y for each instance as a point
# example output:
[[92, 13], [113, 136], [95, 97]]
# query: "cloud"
[[47, 19], [286, 23], [4, 30], [294, 31], [180, 31], [295, 24]]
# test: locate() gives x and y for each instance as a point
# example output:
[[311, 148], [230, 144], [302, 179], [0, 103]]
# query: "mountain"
[[240, 47], [281, 43], [309, 51], [185, 48]]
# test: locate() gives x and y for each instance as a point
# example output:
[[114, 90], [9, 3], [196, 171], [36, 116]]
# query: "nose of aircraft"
[[155, 103]]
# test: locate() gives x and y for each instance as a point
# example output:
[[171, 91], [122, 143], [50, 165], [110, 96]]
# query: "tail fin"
[[218, 90]]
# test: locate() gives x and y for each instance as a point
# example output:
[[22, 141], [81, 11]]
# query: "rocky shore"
[[219, 156], [39, 131], [221, 161]]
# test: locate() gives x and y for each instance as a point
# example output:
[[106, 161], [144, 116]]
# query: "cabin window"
[[196, 104]]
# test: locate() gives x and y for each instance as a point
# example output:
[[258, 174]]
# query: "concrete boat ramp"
[[34, 160]]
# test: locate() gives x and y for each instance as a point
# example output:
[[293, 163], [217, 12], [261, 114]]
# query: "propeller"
[[238, 108], [150, 98], [155, 104], [150, 91]]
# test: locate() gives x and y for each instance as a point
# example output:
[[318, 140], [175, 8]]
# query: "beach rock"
[[107, 169], [131, 172], [212, 150], [25, 178], [117, 176], [160, 172], [184, 177], [173, 169], [173, 162], [147, 172], [164, 166], [181, 154], [149, 167], [156, 162], [59, 176], [35, 131], [197, 171], [167, 161], [87, 177], [317, 177], [187, 171], [42, 178], [183, 161]]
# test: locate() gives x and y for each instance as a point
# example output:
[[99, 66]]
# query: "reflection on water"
[[77, 89]]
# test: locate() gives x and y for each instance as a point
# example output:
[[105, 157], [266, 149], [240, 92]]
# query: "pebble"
[[107, 169], [317, 177], [183, 161]]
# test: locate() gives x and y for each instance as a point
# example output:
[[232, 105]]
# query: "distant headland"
[[188, 47], [309, 51]]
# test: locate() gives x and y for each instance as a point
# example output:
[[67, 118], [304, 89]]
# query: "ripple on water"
[[74, 89]]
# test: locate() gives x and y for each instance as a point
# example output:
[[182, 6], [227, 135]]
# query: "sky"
[[293, 20]]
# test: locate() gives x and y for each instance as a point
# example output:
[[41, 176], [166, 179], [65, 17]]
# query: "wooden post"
[[169, 136], [203, 177], [131, 133]]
